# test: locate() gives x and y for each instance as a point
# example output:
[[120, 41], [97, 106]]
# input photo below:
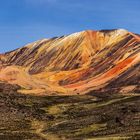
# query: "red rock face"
[[77, 63]]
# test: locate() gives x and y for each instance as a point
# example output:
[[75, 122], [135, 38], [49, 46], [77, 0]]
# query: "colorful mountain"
[[80, 63]]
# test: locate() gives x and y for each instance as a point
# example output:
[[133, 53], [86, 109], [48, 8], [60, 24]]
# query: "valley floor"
[[80, 117]]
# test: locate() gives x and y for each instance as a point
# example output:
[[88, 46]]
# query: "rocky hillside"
[[76, 64]]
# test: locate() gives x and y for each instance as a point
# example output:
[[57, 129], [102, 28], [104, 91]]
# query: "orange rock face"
[[75, 64]]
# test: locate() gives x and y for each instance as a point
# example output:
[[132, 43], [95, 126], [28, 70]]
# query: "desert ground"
[[81, 117]]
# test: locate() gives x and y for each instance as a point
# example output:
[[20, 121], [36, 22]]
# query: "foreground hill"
[[83, 117], [76, 64]]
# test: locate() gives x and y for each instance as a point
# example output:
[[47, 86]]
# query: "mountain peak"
[[79, 62], [121, 30]]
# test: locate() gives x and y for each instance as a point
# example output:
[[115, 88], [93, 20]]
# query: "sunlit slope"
[[77, 63]]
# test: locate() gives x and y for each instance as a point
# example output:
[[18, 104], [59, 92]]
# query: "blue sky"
[[25, 21]]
